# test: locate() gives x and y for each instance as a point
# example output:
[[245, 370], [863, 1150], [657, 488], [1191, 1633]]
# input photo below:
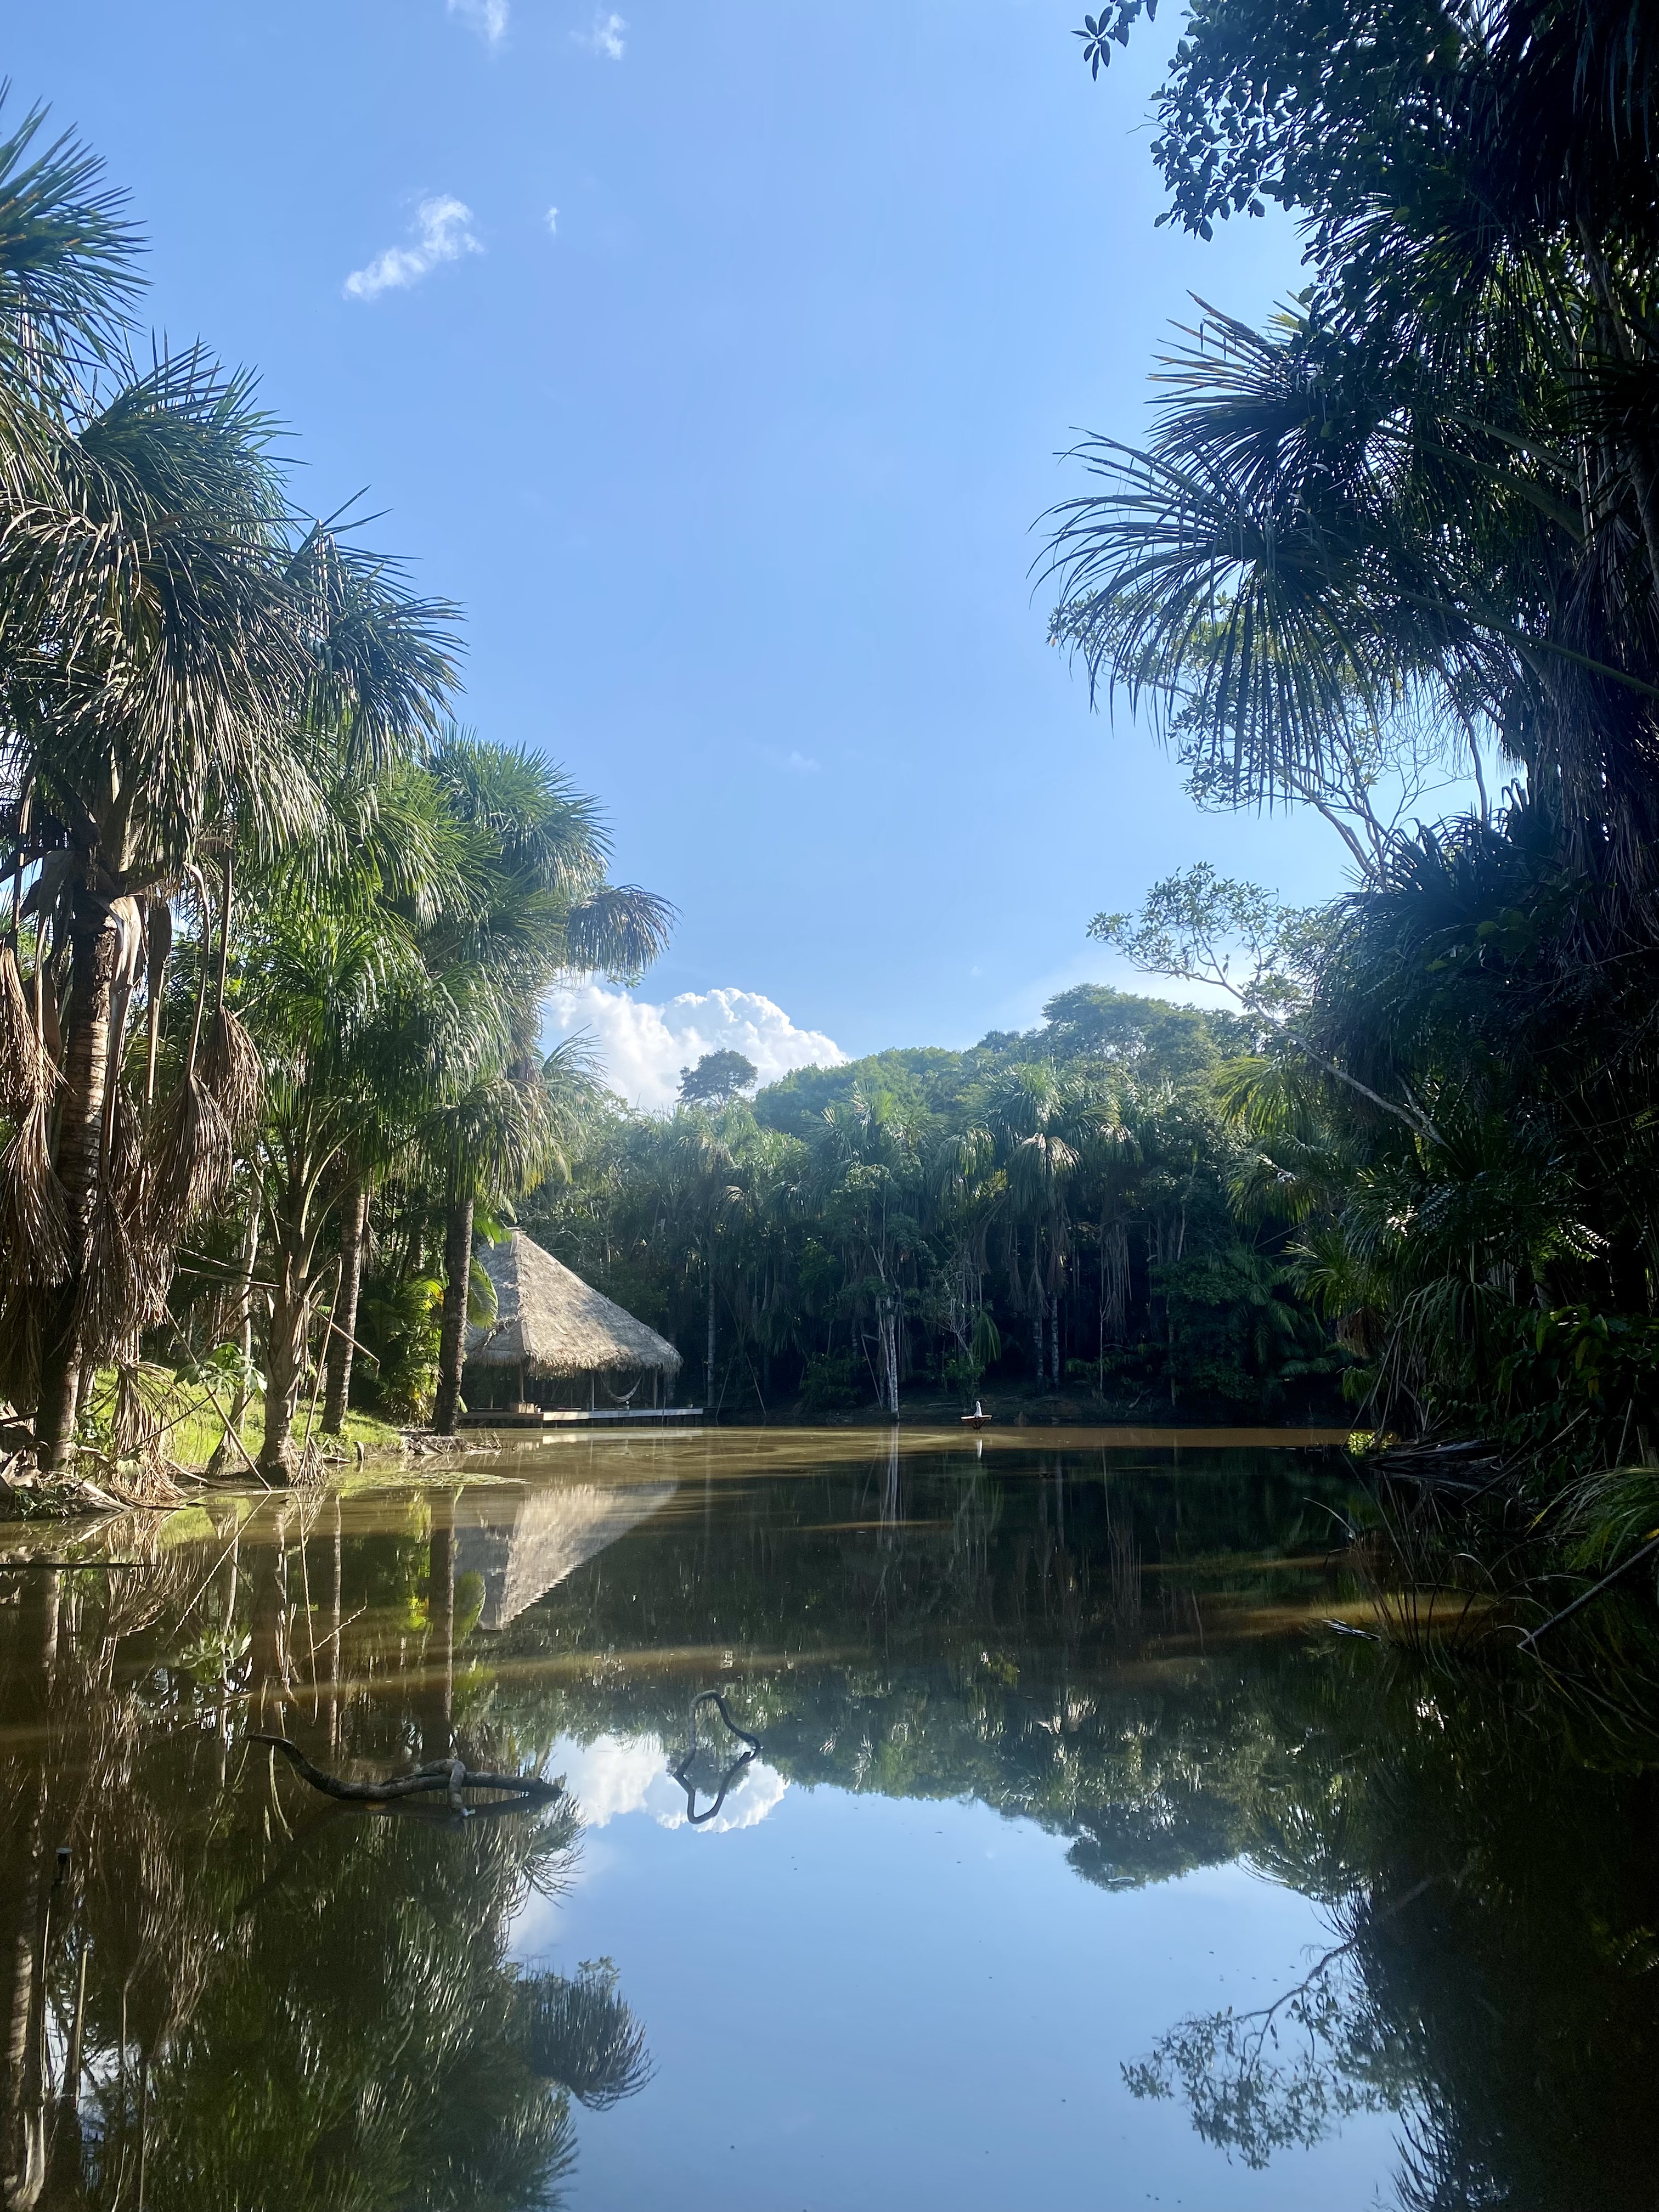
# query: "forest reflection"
[[221, 1990], [237, 1994]]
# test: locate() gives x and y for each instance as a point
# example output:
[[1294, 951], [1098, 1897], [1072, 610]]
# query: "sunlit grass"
[[191, 1427]]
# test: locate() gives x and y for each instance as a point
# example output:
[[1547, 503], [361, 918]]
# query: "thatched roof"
[[523, 1543], [552, 1323]]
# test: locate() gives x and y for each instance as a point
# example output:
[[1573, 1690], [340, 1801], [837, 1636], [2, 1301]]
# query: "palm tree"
[[869, 1182], [701, 1192], [540, 908], [1432, 492], [127, 735], [498, 1141], [168, 652], [1044, 1123], [68, 278], [333, 987]]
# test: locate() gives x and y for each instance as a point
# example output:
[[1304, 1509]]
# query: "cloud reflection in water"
[[617, 1774]]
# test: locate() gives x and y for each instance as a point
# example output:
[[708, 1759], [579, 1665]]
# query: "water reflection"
[[237, 1995], [219, 1990]]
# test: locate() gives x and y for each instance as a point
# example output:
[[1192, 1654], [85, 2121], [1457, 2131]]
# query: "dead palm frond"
[[230, 1066], [33, 1222], [158, 945], [192, 1147], [191, 1158], [21, 1071], [136, 1421], [35, 1248], [231, 1070]]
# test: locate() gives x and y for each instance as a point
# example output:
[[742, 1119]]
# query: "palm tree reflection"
[[236, 1996]]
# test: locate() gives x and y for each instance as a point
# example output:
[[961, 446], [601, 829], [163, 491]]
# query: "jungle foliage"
[[1412, 525], [1050, 1211], [275, 932]]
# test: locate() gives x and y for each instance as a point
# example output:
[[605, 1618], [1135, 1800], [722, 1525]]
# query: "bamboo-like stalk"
[[322, 1369], [158, 942], [341, 1341]]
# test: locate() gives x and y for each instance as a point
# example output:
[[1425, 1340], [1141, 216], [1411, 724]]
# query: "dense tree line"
[[1054, 1211]]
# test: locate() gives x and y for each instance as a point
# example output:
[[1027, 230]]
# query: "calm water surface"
[[1083, 1862]]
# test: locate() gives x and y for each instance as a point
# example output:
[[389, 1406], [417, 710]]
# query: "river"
[[1084, 1861]]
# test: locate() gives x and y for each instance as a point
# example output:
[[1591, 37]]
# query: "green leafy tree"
[[717, 1079]]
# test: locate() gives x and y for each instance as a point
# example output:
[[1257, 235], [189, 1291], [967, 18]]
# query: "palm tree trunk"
[[334, 1622], [80, 1143], [345, 1307], [889, 1355], [284, 1361], [244, 1311], [708, 1356], [452, 1342]]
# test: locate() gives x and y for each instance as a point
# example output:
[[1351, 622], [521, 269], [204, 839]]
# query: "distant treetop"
[[717, 1079], [1151, 1040]]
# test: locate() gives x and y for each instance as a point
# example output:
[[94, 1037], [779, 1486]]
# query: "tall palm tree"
[[868, 1180], [540, 909], [166, 651], [330, 993], [497, 1141], [169, 650], [1044, 1124], [703, 1192]]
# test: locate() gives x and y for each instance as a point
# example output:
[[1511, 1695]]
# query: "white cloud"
[[644, 1047], [552, 220], [605, 38], [486, 17], [440, 235], [615, 1775]]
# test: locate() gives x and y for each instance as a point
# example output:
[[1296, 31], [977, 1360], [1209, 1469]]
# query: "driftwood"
[[1422, 1460], [714, 1697], [1461, 1472], [70, 1566], [446, 1776]]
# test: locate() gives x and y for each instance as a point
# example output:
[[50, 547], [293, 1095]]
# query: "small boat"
[[979, 1418]]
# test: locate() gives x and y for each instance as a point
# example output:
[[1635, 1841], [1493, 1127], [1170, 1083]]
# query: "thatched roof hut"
[[552, 1328]]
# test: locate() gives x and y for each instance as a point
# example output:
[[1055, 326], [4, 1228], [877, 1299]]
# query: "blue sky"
[[733, 461]]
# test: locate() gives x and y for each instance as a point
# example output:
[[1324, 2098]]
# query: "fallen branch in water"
[[1580, 1602], [448, 1776], [680, 1767]]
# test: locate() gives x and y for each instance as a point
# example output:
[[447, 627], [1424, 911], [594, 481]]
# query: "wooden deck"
[[560, 1417]]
